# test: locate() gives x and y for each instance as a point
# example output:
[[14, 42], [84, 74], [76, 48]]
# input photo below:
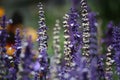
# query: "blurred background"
[[24, 14]]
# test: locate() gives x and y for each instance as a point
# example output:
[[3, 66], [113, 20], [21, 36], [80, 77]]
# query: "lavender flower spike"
[[3, 56], [56, 39], [55, 61], [26, 67], [74, 32], [42, 41], [93, 45], [18, 45], [67, 42], [86, 29], [16, 56], [109, 63], [108, 39], [100, 68]]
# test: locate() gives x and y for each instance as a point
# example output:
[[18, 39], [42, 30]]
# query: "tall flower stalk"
[[108, 38], [26, 67], [93, 45], [56, 60], [71, 55], [86, 29], [42, 41], [93, 33], [56, 41], [3, 56], [75, 33], [72, 44], [15, 58], [67, 42], [109, 63], [18, 44], [75, 3]]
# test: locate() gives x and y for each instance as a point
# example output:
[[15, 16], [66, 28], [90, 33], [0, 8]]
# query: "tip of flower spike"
[[66, 16], [75, 3], [110, 24], [39, 4], [4, 22]]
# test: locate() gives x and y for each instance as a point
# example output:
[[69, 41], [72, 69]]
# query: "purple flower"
[[72, 45], [93, 45], [116, 47], [15, 59], [3, 23], [42, 41], [84, 70], [75, 33], [93, 32], [75, 3], [108, 38], [17, 41], [4, 62], [100, 67], [18, 46], [28, 66], [75, 36]]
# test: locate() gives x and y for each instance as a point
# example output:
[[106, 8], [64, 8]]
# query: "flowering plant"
[[81, 59]]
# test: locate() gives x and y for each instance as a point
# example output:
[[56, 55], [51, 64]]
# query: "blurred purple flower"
[[100, 67], [4, 63], [15, 59], [116, 47], [93, 45], [108, 38], [28, 66]]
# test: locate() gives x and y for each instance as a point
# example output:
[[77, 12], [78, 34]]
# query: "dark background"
[[25, 12]]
